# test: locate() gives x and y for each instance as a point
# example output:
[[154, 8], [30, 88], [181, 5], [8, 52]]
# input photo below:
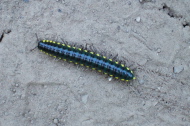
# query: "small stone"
[[140, 1], [178, 69], [13, 90], [84, 98], [59, 10], [154, 103], [183, 119], [55, 120], [5, 113], [158, 50], [135, 31], [110, 79], [142, 62], [141, 81], [31, 121], [16, 85], [22, 96], [138, 19], [118, 28]]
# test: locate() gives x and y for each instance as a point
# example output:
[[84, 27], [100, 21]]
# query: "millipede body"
[[86, 58]]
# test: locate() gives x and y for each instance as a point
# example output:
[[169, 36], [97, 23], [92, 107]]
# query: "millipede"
[[86, 58]]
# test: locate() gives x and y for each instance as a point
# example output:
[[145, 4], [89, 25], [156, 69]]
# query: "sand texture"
[[151, 36]]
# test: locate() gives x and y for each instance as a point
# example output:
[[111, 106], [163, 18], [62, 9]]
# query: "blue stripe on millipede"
[[87, 58]]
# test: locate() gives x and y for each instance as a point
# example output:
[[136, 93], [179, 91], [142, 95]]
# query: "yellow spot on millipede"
[[104, 57], [122, 79], [127, 68], [99, 71], [110, 59], [98, 54], [122, 65], [92, 52], [85, 51]]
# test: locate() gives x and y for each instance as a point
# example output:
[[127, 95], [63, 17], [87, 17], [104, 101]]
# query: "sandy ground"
[[152, 36]]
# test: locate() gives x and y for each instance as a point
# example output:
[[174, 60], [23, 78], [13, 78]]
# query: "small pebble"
[[16, 85], [84, 99], [13, 90], [55, 120], [22, 97], [45, 86], [110, 79], [138, 19], [140, 1], [59, 10], [31, 121], [158, 50], [183, 119], [118, 28], [141, 81], [127, 31], [5, 113], [178, 69], [142, 62], [134, 30]]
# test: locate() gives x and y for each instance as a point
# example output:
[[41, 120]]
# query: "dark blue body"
[[86, 58]]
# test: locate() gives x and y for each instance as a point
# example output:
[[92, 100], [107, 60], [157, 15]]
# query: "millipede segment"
[[86, 58]]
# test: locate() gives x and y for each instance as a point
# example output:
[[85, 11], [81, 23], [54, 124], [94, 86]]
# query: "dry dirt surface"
[[151, 36]]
